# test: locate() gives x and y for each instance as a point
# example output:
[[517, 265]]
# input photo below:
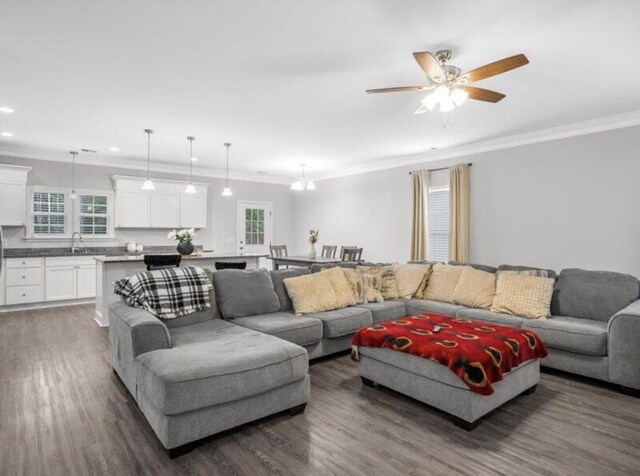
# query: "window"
[[254, 226], [439, 224], [93, 215], [49, 213]]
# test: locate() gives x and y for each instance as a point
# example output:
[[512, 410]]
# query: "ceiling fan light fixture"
[[429, 102], [459, 96], [447, 105]]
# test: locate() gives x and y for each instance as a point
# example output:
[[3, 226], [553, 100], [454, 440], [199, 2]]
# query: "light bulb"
[[227, 192], [459, 96], [446, 105], [148, 185], [441, 93], [429, 102], [297, 185], [73, 195], [311, 185], [190, 189]]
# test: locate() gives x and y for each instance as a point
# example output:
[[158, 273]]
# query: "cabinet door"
[[132, 209], [193, 211], [60, 283], [165, 209], [12, 204], [86, 281]]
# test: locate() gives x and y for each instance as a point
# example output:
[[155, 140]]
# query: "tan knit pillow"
[[372, 287], [475, 288], [526, 296], [312, 293], [347, 285], [442, 282], [409, 277], [387, 278]]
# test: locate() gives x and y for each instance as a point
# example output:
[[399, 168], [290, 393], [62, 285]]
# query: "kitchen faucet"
[[74, 248]]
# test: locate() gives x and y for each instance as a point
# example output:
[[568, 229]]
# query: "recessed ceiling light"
[[6, 134], [194, 159], [114, 149], [6, 110]]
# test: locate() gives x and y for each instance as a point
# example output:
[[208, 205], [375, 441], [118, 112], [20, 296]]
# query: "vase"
[[185, 248], [312, 251]]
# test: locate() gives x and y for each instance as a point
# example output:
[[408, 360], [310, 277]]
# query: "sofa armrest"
[[624, 346], [133, 332]]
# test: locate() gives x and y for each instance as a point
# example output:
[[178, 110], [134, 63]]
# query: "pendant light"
[[303, 182], [73, 174], [190, 188], [148, 184], [227, 190]]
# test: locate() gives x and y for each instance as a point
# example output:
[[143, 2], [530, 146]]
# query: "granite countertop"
[[205, 255], [82, 251]]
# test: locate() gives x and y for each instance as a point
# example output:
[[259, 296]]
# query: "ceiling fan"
[[448, 88]]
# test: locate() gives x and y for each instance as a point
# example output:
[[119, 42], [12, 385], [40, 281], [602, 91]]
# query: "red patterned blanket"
[[480, 353]]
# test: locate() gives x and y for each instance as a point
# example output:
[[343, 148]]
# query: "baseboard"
[[45, 305]]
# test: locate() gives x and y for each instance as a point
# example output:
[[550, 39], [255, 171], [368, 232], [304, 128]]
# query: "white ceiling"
[[284, 80]]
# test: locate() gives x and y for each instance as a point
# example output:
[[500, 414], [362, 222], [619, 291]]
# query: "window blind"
[[439, 225]]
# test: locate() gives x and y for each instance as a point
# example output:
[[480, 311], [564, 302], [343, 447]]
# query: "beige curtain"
[[459, 213], [419, 233]]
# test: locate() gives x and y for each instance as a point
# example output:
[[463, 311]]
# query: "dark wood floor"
[[62, 411]]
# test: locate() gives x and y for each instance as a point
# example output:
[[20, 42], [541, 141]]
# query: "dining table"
[[301, 261]]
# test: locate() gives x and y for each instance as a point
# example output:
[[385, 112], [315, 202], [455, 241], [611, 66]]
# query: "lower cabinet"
[[61, 283], [70, 278], [86, 281]]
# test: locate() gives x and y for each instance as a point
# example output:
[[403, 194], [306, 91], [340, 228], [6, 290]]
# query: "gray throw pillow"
[[245, 293]]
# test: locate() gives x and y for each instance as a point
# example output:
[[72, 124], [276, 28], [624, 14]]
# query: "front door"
[[254, 227]]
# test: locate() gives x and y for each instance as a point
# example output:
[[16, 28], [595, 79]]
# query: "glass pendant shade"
[[311, 185], [73, 195], [148, 185], [459, 96], [297, 185], [190, 189], [303, 183], [227, 192]]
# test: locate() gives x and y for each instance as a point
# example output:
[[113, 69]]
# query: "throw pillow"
[[409, 278], [312, 293], [341, 285], [354, 278], [387, 278], [245, 293], [372, 287], [525, 296], [442, 282], [541, 273], [475, 288]]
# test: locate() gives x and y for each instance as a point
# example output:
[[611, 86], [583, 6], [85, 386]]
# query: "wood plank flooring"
[[63, 412]]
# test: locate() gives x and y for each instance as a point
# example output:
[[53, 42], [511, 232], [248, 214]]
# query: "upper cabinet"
[[13, 193], [165, 207]]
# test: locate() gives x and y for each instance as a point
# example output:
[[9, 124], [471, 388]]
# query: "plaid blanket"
[[167, 293]]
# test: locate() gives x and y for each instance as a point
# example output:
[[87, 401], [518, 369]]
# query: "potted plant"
[[313, 238], [185, 246]]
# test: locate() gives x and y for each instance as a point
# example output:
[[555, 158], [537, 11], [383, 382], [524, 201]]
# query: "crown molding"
[[130, 164], [593, 126]]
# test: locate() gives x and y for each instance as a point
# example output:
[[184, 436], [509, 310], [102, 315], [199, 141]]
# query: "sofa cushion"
[[488, 316], [277, 277], [541, 272], [521, 295], [420, 306], [216, 362], [199, 316], [245, 293], [593, 294], [475, 288], [442, 282], [385, 311], [342, 322], [300, 330], [582, 336], [479, 267]]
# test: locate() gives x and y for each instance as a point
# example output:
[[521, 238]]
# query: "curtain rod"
[[443, 168]]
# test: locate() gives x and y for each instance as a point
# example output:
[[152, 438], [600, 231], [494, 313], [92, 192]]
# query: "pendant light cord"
[[227, 145], [191, 139], [149, 132], [73, 171]]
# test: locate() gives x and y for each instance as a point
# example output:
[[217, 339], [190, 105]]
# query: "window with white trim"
[[438, 224], [93, 214], [49, 213]]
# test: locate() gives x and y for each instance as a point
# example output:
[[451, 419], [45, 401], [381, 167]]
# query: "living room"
[[262, 238]]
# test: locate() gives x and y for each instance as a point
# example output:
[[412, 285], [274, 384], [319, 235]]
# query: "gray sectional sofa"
[[247, 357]]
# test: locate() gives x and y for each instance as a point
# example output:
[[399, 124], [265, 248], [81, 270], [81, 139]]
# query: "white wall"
[[567, 203], [220, 235]]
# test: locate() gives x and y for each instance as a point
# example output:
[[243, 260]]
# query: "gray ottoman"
[[436, 385]]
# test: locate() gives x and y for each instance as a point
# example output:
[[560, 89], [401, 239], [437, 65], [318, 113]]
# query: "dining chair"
[[351, 254], [278, 251], [162, 261], [344, 248], [329, 251], [230, 265]]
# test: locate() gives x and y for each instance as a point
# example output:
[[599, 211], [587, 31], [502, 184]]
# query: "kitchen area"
[[68, 247]]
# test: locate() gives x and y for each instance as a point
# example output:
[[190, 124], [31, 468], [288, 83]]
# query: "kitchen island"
[[111, 268]]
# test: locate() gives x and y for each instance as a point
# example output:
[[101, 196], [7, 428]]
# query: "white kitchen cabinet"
[[132, 209], [3, 283], [86, 281], [13, 194], [61, 283], [24, 281], [165, 209], [193, 210]]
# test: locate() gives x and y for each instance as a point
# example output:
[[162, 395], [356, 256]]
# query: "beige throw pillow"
[[442, 282], [409, 277], [354, 281], [387, 278], [475, 288], [521, 295], [312, 293], [372, 287]]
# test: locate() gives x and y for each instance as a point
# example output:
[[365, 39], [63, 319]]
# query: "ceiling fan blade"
[[497, 67], [397, 89], [430, 65], [482, 94], [421, 109]]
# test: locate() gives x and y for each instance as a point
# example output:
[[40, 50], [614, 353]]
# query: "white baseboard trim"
[[44, 305]]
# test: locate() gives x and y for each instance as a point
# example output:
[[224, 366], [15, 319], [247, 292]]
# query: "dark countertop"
[[206, 255], [82, 251]]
